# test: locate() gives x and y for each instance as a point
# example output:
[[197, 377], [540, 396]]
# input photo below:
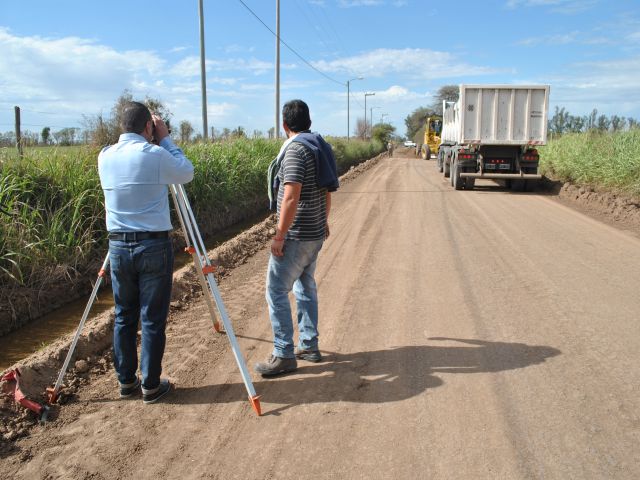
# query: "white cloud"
[[381, 62], [235, 48], [559, 39], [559, 6], [190, 66], [634, 37], [611, 86], [70, 75], [359, 3]]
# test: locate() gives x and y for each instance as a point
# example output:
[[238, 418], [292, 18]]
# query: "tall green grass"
[[52, 207], [52, 213], [607, 160]]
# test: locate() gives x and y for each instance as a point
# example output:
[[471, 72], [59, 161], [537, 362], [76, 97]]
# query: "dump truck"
[[492, 131], [430, 141]]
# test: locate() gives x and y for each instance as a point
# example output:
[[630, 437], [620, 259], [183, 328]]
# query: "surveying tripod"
[[204, 269]]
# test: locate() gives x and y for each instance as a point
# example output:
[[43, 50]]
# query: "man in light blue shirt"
[[135, 174]]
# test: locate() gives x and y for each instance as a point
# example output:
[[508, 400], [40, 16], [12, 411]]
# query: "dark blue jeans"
[[141, 275]]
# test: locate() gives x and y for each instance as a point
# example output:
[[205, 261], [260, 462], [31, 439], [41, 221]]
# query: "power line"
[[286, 45], [339, 39]]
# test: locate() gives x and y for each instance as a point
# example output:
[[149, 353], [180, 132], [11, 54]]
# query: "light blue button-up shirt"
[[134, 175]]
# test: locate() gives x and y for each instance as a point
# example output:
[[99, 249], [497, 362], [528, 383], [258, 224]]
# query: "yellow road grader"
[[427, 139]]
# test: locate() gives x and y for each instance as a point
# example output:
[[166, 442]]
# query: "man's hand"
[[277, 247], [160, 130], [326, 231]]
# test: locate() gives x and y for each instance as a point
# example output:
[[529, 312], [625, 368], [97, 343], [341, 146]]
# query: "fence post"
[[18, 136]]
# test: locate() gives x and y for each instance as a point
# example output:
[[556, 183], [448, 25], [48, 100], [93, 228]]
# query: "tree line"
[[100, 129], [563, 122]]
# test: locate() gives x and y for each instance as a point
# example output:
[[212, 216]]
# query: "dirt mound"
[[619, 207]]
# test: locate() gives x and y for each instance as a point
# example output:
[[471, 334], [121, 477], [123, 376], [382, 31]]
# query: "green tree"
[[186, 130], [560, 121], [46, 133], [105, 131], [238, 132], [383, 132], [66, 136], [603, 123], [415, 120], [449, 93]]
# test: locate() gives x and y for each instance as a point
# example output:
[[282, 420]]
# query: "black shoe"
[[129, 389], [276, 366], [155, 394], [309, 355]]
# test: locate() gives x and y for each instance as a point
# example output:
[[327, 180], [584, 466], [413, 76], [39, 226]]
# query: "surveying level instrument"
[[204, 268]]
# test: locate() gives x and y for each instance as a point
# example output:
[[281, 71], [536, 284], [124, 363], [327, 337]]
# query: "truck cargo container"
[[492, 131]]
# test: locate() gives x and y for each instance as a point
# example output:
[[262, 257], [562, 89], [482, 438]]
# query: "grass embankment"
[[52, 226], [606, 160]]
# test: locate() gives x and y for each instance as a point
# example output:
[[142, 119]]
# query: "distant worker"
[[390, 148], [134, 174], [301, 178]]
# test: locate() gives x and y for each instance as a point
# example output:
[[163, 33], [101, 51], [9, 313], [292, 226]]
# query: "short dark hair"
[[135, 116], [295, 114]]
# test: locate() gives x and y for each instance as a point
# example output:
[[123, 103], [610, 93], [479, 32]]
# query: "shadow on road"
[[377, 376]]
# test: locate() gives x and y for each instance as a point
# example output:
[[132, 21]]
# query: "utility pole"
[[367, 94], [18, 136], [349, 103], [203, 77], [277, 130]]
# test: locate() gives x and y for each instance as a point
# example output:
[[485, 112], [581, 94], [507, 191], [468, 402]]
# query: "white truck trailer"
[[492, 132]]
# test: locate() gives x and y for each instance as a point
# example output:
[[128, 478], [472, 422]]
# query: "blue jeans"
[[293, 271], [141, 276]]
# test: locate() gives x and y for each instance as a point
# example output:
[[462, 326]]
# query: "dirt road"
[[467, 335]]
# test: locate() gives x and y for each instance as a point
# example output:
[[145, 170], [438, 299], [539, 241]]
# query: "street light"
[[366, 94], [348, 103]]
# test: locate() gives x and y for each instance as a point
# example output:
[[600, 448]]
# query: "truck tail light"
[[531, 156]]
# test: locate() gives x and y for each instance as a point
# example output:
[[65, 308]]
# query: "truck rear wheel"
[[446, 168], [530, 185], [517, 185], [469, 183], [440, 161], [456, 181]]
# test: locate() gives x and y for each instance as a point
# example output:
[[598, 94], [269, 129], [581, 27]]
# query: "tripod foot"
[[255, 403], [52, 395]]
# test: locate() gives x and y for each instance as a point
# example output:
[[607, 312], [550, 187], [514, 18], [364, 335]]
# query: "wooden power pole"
[[18, 136]]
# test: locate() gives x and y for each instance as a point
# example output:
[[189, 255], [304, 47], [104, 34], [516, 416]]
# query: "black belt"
[[136, 236]]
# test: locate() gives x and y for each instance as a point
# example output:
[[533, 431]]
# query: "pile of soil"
[[618, 207]]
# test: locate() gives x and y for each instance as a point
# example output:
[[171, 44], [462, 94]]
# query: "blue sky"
[[62, 60]]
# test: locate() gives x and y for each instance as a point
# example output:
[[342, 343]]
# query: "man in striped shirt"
[[303, 210]]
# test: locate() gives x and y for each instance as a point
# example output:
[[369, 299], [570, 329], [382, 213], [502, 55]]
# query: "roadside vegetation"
[[52, 226], [608, 160]]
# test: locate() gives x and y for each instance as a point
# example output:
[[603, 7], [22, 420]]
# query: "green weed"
[[608, 160]]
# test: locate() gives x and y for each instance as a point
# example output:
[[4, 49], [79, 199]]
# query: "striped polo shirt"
[[299, 166]]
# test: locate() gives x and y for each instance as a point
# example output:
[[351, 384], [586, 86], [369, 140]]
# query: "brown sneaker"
[[309, 355], [276, 366]]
